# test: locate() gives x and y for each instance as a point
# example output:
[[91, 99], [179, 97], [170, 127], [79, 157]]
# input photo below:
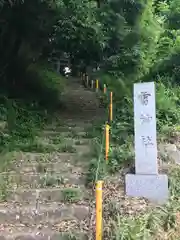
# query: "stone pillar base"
[[152, 187]]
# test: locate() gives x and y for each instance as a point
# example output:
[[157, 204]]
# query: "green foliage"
[[67, 148], [126, 37], [173, 15], [174, 183], [22, 126], [120, 28], [97, 166], [122, 128], [151, 30], [49, 180], [167, 102], [155, 223], [169, 67], [120, 157], [78, 31], [71, 195], [96, 171], [46, 85], [25, 31], [131, 41]]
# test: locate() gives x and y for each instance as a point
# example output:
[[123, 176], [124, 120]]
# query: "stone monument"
[[146, 182]]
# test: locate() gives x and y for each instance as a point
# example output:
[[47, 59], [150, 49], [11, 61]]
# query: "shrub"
[[45, 84], [167, 98]]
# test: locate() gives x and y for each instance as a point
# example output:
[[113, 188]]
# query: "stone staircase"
[[43, 194]]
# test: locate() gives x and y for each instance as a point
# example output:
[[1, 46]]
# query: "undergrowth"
[[44, 84], [121, 154], [21, 125], [157, 222]]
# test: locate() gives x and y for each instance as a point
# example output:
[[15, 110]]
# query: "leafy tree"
[[78, 31], [25, 30], [125, 37]]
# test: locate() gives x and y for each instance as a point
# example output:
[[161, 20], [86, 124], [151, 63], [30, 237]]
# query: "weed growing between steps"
[[56, 139], [67, 148], [97, 166], [22, 125], [120, 156], [71, 195], [21, 128], [51, 181], [4, 185]]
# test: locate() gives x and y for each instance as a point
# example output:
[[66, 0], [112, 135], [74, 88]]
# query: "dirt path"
[[45, 197]]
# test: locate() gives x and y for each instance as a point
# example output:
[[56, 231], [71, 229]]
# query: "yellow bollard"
[[97, 85], [99, 210], [107, 142], [111, 108], [105, 89]]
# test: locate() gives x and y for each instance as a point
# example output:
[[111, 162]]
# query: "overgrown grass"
[[45, 85], [21, 130], [23, 124], [22, 121], [4, 185], [51, 180], [157, 222], [71, 195], [121, 130]]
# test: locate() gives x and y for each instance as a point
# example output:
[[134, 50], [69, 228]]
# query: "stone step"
[[76, 121], [79, 141], [67, 139], [80, 134], [66, 194], [28, 180], [65, 147], [39, 158], [49, 167], [56, 156], [43, 235], [49, 157], [64, 135], [46, 214], [64, 128], [83, 149]]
